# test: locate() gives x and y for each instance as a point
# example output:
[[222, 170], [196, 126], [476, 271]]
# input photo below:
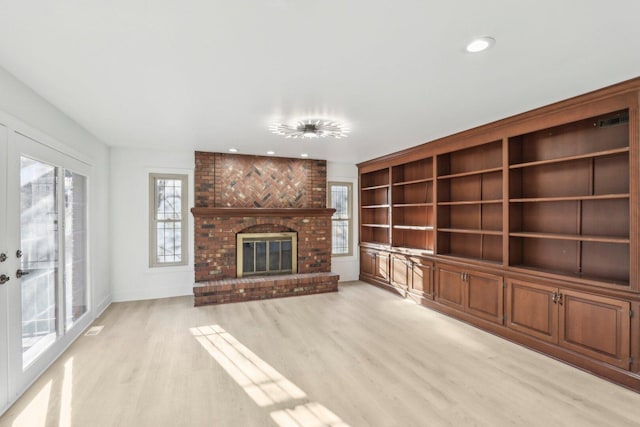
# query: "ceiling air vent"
[[613, 121]]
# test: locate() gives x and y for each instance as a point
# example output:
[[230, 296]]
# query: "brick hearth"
[[257, 288]]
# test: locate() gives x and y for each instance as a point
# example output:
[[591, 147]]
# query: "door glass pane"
[[39, 245], [274, 255], [248, 260], [261, 256], [287, 255], [75, 239]]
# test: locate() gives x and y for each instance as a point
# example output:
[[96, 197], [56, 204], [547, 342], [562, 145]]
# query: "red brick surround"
[[236, 193], [216, 229]]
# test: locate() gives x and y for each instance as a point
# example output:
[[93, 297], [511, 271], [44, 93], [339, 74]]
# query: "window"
[[340, 200], [168, 225]]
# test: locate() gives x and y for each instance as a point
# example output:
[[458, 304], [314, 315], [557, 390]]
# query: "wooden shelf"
[[375, 225], [411, 205], [576, 237], [457, 257], [374, 206], [570, 198], [414, 227], [375, 187], [415, 181], [571, 158], [470, 173], [471, 231], [470, 202], [563, 274], [412, 251]]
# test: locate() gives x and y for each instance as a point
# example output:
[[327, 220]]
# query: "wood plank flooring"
[[361, 357]]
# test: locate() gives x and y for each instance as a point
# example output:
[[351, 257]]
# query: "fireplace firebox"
[[262, 254]]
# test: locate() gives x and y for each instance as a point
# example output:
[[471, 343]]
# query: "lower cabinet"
[[421, 284], [412, 275], [400, 267], [477, 293], [374, 264], [595, 326], [367, 262]]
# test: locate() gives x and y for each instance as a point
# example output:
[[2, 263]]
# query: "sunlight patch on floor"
[[310, 415], [35, 413], [66, 395], [262, 383]]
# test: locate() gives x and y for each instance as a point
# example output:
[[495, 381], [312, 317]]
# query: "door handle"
[[4, 279], [20, 273]]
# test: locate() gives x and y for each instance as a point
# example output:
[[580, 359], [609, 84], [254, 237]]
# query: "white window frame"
[[349, 218], [153, 222]]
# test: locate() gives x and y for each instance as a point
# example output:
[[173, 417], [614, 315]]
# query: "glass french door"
[[47, 233]]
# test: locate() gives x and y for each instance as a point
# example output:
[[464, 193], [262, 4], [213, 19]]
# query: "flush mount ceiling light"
[[311, 128], [480, 44]]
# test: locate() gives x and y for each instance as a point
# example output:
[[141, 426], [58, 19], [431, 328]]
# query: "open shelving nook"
[[374, 207], [469, 187], [413, 207], [569, 209]]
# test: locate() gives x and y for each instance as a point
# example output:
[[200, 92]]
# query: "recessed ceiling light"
[[233, 150], [271, 153], [304, 155], [480, 44]]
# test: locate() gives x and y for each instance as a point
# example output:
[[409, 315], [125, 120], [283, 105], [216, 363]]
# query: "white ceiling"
[[212, 74]]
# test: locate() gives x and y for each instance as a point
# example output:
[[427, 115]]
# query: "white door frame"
[[4, 269]]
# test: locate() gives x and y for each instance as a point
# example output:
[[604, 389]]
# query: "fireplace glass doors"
[[266, 253]]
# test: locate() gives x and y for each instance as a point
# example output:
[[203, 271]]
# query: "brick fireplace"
[[237, 194]]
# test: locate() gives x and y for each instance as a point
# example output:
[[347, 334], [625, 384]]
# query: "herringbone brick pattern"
[[261, 182], [239, 181]]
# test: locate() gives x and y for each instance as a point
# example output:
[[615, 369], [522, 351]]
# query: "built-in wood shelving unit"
[[531, 224]]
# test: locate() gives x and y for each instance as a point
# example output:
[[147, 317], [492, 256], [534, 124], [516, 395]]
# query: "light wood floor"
[[360, 357]]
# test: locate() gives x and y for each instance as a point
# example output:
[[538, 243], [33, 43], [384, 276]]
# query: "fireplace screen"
[[266, 253]]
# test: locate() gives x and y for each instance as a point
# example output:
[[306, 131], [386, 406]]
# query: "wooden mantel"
[[262, 212]]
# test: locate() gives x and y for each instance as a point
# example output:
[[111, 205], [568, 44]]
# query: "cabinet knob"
[[20, 273], [3, 257], [4, 279]]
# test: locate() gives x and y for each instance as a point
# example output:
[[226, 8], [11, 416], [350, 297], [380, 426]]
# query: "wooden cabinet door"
[[421, 282], [595, 326], [531, 309], [381, 271], [485, 296], [450, 287], [400, 267], [367, 262]]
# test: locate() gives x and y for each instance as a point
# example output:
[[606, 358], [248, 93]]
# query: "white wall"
[[129, 211], [26, 112], [347, 266]]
